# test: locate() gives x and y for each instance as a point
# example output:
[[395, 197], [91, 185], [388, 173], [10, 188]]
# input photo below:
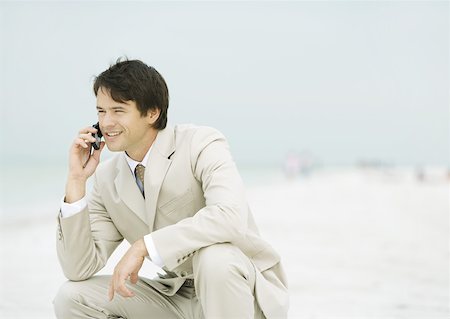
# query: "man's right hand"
[[82, 164]]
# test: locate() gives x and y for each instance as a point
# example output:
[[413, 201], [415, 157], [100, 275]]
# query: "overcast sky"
[[344, 80]]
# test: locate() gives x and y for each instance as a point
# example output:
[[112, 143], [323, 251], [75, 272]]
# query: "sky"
[[345, 81]]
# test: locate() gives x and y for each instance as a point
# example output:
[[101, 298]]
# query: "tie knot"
[[140, 170]]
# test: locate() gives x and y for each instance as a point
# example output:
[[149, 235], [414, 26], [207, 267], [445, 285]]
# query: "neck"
[[139, 154]]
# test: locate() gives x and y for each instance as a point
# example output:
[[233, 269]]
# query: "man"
[[174, 194]]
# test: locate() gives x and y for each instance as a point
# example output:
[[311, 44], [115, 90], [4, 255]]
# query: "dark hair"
[[134, 80]]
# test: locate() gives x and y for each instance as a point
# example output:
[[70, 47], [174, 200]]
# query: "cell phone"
[[98, 136]]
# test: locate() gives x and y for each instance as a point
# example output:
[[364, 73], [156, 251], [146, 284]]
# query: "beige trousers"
[[224, 288]]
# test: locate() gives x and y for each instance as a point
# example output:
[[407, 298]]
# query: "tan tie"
[[140, 171]]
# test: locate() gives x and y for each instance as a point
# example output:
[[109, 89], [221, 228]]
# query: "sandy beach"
[[356, 243]]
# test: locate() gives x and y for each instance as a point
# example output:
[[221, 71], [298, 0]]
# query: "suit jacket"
[[194, 198]]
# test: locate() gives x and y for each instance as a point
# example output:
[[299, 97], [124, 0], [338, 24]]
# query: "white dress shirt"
[[71, 209]]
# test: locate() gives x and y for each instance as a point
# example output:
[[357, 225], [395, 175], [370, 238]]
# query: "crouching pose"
[[175, 195]]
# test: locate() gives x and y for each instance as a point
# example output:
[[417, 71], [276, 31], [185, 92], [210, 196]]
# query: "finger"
[[81, 142], [134, 278], [111, 290], [89, 129], [124, 291], [121, 289], [87, 137]]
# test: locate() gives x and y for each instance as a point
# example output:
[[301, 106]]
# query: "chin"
[[114, 148]]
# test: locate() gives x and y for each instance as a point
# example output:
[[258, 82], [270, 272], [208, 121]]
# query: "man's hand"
[[128, 266], [82, 164]]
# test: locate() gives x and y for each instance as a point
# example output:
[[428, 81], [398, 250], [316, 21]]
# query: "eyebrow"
[[112, 108]]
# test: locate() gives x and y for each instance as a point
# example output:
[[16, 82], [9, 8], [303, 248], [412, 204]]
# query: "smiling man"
[[174, 194]]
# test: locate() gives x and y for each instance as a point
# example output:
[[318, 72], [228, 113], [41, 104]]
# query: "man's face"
[[123, 127]]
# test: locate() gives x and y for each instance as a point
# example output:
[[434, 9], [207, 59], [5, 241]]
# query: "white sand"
[[355, 244]]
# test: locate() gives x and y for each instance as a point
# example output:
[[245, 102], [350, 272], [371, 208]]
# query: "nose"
[[106, 121]]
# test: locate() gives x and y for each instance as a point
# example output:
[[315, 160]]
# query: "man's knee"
[[219, 262], [224, 281], [68, 296], [75, 297]]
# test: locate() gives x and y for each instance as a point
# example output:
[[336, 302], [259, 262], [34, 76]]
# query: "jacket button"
[[183, 273]]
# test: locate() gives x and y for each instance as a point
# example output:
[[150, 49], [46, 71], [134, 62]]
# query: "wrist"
[[75, 190], [140, 248], [76, 179]]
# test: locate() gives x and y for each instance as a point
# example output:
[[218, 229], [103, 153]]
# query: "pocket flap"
[[177, 202]]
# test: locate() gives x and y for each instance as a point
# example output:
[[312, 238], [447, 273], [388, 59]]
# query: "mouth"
[[112, 134]]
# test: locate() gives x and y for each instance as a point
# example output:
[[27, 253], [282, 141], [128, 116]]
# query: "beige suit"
[[194, 198]]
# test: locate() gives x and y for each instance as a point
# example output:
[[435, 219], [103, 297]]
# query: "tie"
[[139, 171]]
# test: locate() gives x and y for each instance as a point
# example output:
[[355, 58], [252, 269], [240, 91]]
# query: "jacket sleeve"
[[87, 239], [223, 219]]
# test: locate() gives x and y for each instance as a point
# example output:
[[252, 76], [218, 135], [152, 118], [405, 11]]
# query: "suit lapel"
[[158, 163], [128, 190]]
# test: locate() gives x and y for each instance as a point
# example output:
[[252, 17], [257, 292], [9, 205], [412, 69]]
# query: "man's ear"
[[153, 115]]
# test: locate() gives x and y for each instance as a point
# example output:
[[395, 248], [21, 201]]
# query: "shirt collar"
[[132, 163]]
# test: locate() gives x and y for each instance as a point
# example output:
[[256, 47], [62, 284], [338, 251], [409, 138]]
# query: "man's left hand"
[[128, 267]]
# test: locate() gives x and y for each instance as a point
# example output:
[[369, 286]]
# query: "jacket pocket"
[[177, 203]]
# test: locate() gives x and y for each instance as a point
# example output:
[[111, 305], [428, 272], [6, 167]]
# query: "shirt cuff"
[[152, 252], [71, 209]]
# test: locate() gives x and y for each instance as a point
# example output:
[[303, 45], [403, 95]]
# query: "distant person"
[[175, 194], [298, 164], [292, 165], [420, 174]]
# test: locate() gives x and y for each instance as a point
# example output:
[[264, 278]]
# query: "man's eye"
[[100, 111]]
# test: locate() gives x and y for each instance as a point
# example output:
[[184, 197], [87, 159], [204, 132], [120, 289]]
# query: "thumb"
[[96, 153]]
